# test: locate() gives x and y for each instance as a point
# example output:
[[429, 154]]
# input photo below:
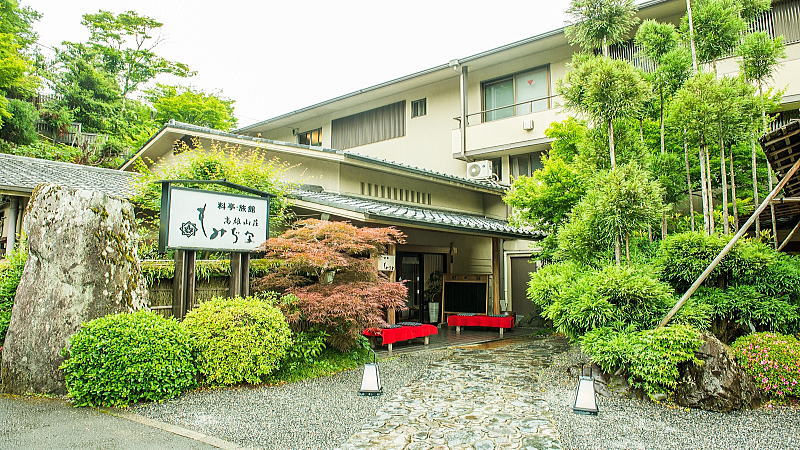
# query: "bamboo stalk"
[[755, 181], [711, 225], [704, 189], [722, 170], [789, 236], [699, 281], [688, 180], [733, 194]]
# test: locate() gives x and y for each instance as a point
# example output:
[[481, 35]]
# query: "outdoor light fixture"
[[371, 381], [585, 398]]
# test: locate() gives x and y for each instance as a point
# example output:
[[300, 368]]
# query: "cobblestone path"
[[480, 397]]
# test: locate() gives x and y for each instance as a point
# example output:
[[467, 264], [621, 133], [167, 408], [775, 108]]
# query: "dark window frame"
[[308, 134], [513, 76], [419, 108]]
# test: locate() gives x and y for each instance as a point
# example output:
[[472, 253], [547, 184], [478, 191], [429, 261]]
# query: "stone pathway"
[[481, 397]]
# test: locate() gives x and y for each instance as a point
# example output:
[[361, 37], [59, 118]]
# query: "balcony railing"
[[516, 109], [73, 135]]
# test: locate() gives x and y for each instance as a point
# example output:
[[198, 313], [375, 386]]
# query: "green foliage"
[[656, 39], [191, 106], [773, 360], [250, 169], [123, 45], [718, 25], [238, 340], [603, 88], [610, 296], [568, 136], [544, 199], [621, 203], [650, 358], [600, 23], [20, 127], [10, 274], [306, 348], [125, 358], [329, 362], [205, 269], [46, 150], [760, 56]]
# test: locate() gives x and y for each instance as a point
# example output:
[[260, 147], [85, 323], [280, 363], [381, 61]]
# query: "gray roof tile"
[[417, 214], [24, 174]]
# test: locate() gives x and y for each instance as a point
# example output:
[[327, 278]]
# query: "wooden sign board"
[[195, 219], [386, 263]]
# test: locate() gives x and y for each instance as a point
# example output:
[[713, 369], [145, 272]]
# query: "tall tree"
[[192, 106], [600, 23], [604, 89], [17, 78], [125, 45], [718, 26], [760, 55]]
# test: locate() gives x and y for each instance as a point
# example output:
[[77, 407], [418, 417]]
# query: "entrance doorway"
[[521, 268], [421, 273]]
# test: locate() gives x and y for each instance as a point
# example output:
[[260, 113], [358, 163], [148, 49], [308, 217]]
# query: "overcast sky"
[[276, 56]]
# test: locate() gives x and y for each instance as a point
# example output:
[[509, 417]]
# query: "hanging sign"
[[195, 219], [386, 263]]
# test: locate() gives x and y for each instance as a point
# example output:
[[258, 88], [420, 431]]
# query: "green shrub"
[[305, 349], [20, 128], [685, 256], [612, 295], [10, 274], [738, 310], [650, 358], [125, 358], [238, 339], [773, 360]]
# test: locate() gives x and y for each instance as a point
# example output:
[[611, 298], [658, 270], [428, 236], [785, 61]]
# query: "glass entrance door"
[[409, 270]]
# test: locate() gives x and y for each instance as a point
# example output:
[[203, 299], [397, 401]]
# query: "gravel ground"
[[630, 423], [319, 413]]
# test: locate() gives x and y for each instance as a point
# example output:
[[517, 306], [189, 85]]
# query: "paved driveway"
[[48, 423]]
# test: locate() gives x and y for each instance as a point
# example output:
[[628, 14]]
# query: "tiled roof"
[[430, 217], [20, 173], [347, 154]]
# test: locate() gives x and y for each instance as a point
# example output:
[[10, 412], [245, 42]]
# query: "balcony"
[[521, 129]]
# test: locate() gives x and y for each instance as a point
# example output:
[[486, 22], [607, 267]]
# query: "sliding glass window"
[[530, 88]]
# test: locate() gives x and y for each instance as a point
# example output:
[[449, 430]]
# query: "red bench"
[[405, 333], [480, 320]]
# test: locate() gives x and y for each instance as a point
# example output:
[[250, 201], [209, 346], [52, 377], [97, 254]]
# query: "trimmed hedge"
[[125, 358], [773, 359], [238, 340]]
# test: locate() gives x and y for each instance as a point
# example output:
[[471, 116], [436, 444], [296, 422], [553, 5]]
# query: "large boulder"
[[718, 383], [82, 264]]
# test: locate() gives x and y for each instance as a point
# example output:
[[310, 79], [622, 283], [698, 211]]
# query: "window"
[[497, 167], [310, 137], [419, 107], [531, 86], [375, 125], [525, 165]]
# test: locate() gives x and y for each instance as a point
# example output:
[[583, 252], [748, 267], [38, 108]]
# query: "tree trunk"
[[617, 250], [611, 144], [691, 36], [755, 181], [723, 174], [627, 248], [688, 181], [711, 224], [605, 48], [733, 196], [704, 189], [661, 120]]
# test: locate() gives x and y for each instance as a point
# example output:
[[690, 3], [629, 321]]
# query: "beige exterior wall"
[[786, 78], [427, 139]]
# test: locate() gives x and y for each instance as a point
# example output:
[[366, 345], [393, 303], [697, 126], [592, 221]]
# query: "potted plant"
[[433, 293]]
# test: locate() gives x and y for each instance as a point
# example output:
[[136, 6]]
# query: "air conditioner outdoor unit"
[[527, 124], [479, 170]]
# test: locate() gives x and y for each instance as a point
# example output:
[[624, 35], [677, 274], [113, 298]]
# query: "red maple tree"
[[331, 268]]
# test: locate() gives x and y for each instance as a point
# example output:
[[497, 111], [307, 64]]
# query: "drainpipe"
[[463, 82], [12, 220]]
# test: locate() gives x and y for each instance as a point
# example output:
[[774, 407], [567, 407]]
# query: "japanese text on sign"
[[204, 220]]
